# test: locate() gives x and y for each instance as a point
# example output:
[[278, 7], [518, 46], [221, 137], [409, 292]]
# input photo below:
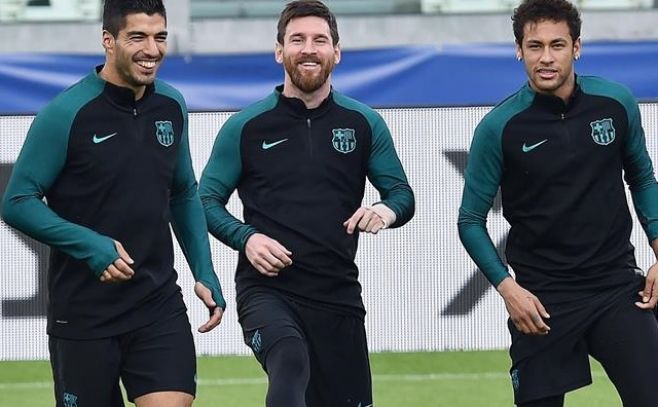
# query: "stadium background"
[[431, 71]]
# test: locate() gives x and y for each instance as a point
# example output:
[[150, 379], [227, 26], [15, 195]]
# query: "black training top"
[[110, 168], [559, 167], [300, 174]]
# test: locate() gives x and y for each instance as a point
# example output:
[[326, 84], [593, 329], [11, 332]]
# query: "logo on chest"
[[603, 132], [164, 131], [344, 140]]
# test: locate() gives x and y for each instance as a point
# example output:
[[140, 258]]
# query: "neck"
[[311, 100], [108, 74]]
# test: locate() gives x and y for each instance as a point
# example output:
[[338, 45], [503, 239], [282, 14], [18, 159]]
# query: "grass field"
[[453, 379]]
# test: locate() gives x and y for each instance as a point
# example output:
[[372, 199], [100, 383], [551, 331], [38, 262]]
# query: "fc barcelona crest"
[[603, 132], [344, 140], [164, 131]]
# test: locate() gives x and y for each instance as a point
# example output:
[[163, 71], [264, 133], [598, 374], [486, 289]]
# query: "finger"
[[213, 321], [353, 221], [540, 308], [262, 270], [281, 257], [123, 254], [123, 268], [272, 263], [105, 276], [115, 273], [365, 220], [648, 289]]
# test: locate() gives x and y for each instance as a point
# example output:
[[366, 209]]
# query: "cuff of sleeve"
[[386, 213]]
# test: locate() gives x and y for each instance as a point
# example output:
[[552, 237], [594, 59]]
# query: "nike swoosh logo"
[[97, 139], [267, 146], [532, 147]]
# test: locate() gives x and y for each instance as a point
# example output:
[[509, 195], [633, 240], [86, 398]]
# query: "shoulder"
[[64, 108], [165, 89], [498, 117], [597, 86], [238, 120], [373, 118]]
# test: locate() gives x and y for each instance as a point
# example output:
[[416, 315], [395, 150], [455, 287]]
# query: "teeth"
[[146, 64]]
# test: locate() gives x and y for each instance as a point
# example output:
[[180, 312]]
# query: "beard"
[[305, 81]]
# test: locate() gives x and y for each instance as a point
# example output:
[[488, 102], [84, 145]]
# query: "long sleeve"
[[39, 163], [218, 181], [481, 182], [386, 174], [189, 222], [639, 173]]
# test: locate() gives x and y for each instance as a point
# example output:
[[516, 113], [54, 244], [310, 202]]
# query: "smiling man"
[[110, 155], [299, 160], [557, 150]]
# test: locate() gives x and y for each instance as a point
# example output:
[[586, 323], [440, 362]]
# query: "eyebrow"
[[137, 32]]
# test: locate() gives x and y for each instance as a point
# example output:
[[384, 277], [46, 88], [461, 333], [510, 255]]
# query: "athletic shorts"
[[606, 325], [336, 342], [157, 357]]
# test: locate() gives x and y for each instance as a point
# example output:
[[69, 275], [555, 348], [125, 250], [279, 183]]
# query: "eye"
[[296, 40], [161, 38]]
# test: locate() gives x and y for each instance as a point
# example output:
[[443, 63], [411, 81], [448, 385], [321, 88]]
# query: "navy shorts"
[[157, 357], [336, 342], [606, 325]]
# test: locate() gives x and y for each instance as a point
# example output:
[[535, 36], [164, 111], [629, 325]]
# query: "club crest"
[[603, 132], [164, 131], [344, 140]]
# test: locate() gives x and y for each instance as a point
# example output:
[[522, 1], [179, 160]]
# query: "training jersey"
[[559, 168], [110, 168], [300, 174]]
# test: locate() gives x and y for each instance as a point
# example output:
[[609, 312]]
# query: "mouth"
[[547, 73], [309, 65], [147, 66]]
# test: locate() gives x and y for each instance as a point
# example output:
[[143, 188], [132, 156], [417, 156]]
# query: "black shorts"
[[336, 342], [157, 357], [606, 325]]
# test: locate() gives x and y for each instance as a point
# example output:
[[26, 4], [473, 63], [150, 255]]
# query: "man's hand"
[[650, 293], [120, 269], [524, 308], [216, 313], [267, 255], [367, 220]]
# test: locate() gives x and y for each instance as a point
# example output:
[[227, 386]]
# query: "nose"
[[546, 55], [151, 47], [309, 47]]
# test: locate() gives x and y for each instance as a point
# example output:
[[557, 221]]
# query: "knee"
[[289, 358]]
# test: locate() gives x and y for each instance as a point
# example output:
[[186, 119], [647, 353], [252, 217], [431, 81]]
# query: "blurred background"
[[432, 68]]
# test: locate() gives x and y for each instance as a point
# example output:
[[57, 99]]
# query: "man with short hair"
[[299, 160], [110, 154], [557, 149]]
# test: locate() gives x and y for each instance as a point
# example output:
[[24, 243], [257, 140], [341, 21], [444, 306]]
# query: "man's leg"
[[625, 341], [159, 363], [86, 373], [553, 401], [288, 372], [340, 365]]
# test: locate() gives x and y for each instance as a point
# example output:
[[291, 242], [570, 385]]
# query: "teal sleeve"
[[39, 163], [218, 181], [481, 182], [386, 174], [638, 172], [189, 223]]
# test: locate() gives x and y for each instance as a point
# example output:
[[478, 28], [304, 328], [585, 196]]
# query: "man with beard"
[[299, 160], [111, 156], [557, 149]]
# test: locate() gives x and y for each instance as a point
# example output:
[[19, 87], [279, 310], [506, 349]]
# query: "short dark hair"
[[306, 8], [115, 12], [534, 11]]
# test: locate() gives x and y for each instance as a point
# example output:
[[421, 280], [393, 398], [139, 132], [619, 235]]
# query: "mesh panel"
[[421, 290]]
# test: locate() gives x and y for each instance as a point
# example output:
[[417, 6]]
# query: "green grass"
[[434, 379]]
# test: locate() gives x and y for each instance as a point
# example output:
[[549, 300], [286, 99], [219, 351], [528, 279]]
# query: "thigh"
[[86, 372], [159, 358], [340, 366], [625, 341], [266, 318]]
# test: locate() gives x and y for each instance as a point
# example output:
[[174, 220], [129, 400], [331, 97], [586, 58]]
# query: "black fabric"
[[158, 357], [554, 401], [335, 343], [606, 325], [288, 372]]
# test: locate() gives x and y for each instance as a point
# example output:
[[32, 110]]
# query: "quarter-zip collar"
[[120, 95], [553, 103], [296, 106]]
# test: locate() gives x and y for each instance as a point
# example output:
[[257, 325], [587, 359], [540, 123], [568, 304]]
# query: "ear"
[[278, 53], [108, 41], [577, 48], [337, 54], [519, 53]]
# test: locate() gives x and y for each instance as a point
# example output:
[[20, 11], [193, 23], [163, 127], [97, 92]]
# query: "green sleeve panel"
[[482, 178], [638, 169], [385, 170], [222, 175], [188, 219], [38, 165]]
